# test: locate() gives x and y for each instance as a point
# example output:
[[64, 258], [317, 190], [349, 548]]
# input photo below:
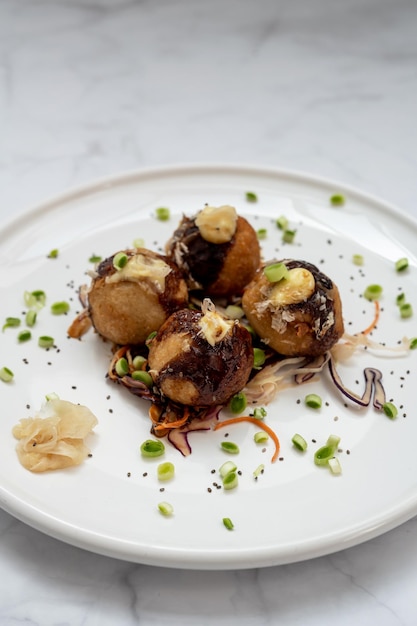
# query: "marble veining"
[[91, 88]]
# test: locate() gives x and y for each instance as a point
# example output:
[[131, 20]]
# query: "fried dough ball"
[[299, 315], [126, 305], [200, 359], [218, 251]]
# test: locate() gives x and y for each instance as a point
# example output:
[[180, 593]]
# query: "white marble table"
[[96, 87]]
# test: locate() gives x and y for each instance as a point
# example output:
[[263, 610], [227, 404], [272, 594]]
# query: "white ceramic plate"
[[295, 510]]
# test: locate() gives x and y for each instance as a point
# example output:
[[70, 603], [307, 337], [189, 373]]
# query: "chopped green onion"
[[94, 258], [11, 322], [406, 310], [119, 260], [413, 343], [30, 318], [400, 299], [282, 222], [258, 358], [288, 235], [326, 452], [166, 508], [138, 243], [163, 214], [35, 299], [238, 403], [262, 233], [60, 308], [6, 375], [259, 413], [259, 470], [337, 199], [313, 401], [334, 465], [230, 447], [390, 410], [53, 253], [230, 481], [143, 377], [226, 468], [234, 312], [299, 442], [138, 362], [261, 437], [401, 264], [373, 292], [166, 471], [251, 196], [227, 523], [358, 259], [276, 272], [122, 367], [45, 342], [152, 448], [149, 338], [24, 335]]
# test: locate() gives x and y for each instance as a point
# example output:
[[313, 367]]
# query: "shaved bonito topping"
[[141, 267], [54, 438], [217, 224], [213, 326]]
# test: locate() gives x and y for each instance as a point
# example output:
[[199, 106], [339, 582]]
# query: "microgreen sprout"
[[238, 403], [143, 377], [258, 358]]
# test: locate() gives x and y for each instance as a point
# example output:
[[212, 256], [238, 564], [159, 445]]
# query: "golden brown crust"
[[127, 311], [308, 328], [190, 371]]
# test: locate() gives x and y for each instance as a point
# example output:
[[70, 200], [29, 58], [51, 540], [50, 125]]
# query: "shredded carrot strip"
[[374, 321], [257, 422], [176, 424]]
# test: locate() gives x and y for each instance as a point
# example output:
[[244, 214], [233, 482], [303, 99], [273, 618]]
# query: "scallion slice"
[[282, 222], [262, 233], [334, 465], [259, 470], [24, 335], [234, 312], [152, 448], [299, 442], [163, 214], [373, 292], [289, 235], [94, 258], [230, 481], [45, 341], [227, 523], [337, 199], [238, 403], [401, 264], [413, 343], [259, 413], [11, 322], [313, 401], [358, 259], [261, 437], [138, 362], [6, 375], [227, 468], [390, 410], [166, 471], [53, 253], [258, 358], [119, 260], [30, 318], [406, 310], [138, 243], [143, 377], [326, 452], [276, 272], [60, 308], [166, 509], [251, 196], [230, 447]]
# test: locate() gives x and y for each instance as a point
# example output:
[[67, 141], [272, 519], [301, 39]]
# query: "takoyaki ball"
[[127, 304], [200, 359], [218, 251], [299, 315]]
